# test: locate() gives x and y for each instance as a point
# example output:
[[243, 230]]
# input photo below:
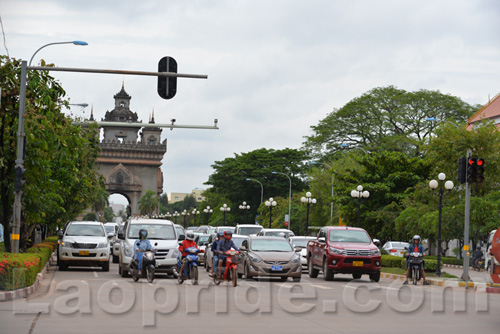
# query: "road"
[[84, 300]]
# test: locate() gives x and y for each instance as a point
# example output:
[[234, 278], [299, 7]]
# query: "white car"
[[276, 232], [301, 242], [396, 248], [84, 243], [162, 235]]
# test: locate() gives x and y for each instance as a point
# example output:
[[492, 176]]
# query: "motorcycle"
[[416, 261], [477, 264], [192, 261], [148, 265], [230, 273]]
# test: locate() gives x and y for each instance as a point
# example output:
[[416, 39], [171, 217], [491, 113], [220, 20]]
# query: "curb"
[[6, 296]]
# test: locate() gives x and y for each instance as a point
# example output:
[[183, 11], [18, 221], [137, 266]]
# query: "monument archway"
[[130, 159]]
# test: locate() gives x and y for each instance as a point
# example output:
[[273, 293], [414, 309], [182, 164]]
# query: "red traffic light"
[[472, 161], [480, 162]]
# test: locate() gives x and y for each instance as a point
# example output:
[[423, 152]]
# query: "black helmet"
[[190, 235], [143, 233], [220, 235], [228, 235]]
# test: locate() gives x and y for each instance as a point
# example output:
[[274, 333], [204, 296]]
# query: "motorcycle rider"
[[220, 236], [415, 247], [223, 246], [140, 246], [477, 255], [187, 243]]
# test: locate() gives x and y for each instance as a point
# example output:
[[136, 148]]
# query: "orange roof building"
[[490, 111]]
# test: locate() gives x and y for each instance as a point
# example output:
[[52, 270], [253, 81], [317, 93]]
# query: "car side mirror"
[[298, 249], [182, 237], [60, 233], [376, 242], [121, 236], [321, 239], [243, 248], [110, 235]]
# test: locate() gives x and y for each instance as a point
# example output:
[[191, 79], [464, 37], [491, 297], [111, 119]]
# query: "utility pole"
[[468, 186]]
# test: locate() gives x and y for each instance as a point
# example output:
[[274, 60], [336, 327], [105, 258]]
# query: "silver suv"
[[160, 232], [84, 243]]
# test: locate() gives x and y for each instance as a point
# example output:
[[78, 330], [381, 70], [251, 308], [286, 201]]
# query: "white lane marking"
[[95, 274]]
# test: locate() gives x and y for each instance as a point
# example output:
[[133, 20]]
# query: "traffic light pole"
[[465, 274]]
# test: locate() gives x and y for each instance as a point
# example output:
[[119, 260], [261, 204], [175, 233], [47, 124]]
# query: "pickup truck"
[[343, 250]]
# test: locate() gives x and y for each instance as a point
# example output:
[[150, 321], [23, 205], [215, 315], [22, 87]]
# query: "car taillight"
[[393, 250]]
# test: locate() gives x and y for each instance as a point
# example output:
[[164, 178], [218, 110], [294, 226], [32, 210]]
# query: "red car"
[[343, 250]]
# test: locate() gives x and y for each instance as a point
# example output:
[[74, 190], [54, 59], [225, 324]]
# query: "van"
[[161, 232], [487, 257]]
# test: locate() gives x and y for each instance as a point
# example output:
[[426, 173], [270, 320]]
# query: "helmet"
[[143, 233], [416, 237], [228, 235], [220, 235], [190, 235]]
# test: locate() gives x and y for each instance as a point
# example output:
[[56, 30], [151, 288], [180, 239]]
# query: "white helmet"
[[190, 235], [416, 237]]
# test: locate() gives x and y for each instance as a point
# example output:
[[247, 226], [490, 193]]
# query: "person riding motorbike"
[[415, 246], [140, 246], [220, 236], [223, 246], [187, 243], [477, 255]]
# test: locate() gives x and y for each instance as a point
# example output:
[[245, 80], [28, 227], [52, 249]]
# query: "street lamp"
[[16, 222], [359, 194], [289, 198], [448, 185], [224, 208], [308, 200], [331, 204], [261, 189], [82, 43], [270, 203], [194, 213], [185, 214], [432, 119], [244, 206], [208, 211], [175, 215]]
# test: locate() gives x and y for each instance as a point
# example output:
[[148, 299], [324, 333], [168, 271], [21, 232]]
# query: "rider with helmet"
[[224, 245], [220, 236], [140, 246], [415, 246], [187, 243]]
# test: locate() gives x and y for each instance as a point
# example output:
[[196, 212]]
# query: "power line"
[[4, 41]]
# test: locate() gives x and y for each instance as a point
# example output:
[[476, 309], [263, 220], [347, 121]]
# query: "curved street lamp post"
[[270, 204], [442, 184], [359, 194], [261, 189], [308, 200]]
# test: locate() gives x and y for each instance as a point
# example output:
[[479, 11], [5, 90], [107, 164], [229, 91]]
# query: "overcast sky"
[[275, 68]]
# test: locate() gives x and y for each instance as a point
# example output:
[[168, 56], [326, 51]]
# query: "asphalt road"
[[84, 300]]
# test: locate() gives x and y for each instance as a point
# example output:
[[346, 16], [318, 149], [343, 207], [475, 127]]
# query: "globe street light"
[[194, 213], [224, 208], [308, 200], [208, 211], [175, 215], [329, 166], [270, 203], [448, 185], [359, 194], [244, 206], [289, 197], [185, 214], [261, 189]]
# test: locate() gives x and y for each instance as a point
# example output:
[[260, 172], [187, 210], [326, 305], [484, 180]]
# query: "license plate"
[[83, 253], [357, 263], [276, 268]]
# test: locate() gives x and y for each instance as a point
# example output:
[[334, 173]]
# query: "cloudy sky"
[[274, 67]]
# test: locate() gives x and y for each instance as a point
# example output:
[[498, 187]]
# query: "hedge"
[[396, 261]]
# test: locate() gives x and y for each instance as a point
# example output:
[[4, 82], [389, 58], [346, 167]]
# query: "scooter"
[[416, 261], [478, 263], [231, 272], [148, 265], [192, 262]]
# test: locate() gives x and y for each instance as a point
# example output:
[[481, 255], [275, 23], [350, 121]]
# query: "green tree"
[[148, 203], [108, 214], [385, 118], [61, 175]]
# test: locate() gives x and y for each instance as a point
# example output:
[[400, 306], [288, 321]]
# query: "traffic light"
[[462, 170], [18, 180], [479, 170], [471, 170], [167, 86]]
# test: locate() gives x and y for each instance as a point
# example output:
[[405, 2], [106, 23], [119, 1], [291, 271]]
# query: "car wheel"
[[375, 277], [115, 259], [313, 273], [296, 279], [62, 266], [327, 272], [247, 276], [123, 273], [105, 266], [356, 276]]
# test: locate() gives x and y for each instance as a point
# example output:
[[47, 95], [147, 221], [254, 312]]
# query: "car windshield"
[[276, 233], [248, 230], [300, 242], [109, 228], [180, 230], [271, 246], [238, 241], [399, 245], [161, 232], [85, 230], [203, 238], [349, 236]]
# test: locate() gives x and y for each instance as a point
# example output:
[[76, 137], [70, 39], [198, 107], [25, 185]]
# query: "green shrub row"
[[447, 260], [396, 261]]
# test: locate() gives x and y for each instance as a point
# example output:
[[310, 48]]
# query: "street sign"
[[167, 86]]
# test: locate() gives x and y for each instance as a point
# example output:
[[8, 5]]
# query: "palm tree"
[[148, 203]]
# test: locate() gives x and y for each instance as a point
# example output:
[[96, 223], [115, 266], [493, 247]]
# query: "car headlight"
[[255, 259], [66, 244], [175, 253], [296, 259], [336, 251], [127, 250], [102, 244], [375, 251]]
